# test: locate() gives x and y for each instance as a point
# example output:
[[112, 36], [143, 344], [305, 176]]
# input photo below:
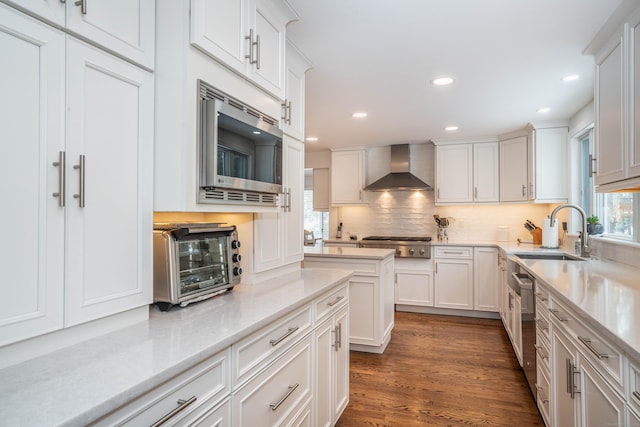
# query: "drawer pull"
[[587, 343], [290, 390], [557, 314], [543, 354], [335, 301], [542, 324], [274, 342], [636, 395], [541, 296], [453, 252], [182, 405]]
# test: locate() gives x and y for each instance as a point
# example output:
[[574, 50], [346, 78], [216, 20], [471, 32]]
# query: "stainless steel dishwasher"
[[523, 283]]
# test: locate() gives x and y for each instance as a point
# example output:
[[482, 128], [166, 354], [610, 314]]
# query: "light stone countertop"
[[80, 383], [605, 294], [347, 252]]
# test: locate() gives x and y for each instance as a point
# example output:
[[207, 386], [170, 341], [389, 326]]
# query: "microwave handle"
[[209, 130]]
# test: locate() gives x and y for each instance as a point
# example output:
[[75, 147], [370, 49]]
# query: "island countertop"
[[347, 252]]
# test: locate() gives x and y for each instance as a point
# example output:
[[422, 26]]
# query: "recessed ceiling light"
[[311, 139], [442, 81], [359, 115], [544, 110], [570, 78], [451, 128]]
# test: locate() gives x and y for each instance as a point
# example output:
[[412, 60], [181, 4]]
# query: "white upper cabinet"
[[293, 106], [513, 170], [617, 97], [548, 162], [467, 173], [124, 27], [347, 177], [454, 173], [248, 36]]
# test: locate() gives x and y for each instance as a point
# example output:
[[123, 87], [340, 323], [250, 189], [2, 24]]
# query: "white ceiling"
[[507, 58]]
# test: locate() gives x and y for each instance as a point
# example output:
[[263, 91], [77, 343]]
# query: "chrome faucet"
[[584, 243]]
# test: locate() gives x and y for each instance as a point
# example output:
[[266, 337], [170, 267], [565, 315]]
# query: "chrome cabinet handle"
[[524, 190], [540, 390], [182, 406], [290, 390], [540, 349], [287, 112], [453, 252], [335, 301], [249, 56], [81, 170], [587, 343], [556, 313], [475, 192], [257, 44], [543, 325], [83, 6], [61, 164], [274, 342], [592, 169], [571, 385]]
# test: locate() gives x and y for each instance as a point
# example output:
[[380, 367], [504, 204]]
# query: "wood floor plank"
[[440, 371]]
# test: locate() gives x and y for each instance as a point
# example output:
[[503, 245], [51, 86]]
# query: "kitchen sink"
[[557, 257]]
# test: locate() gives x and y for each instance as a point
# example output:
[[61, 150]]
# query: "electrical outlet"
[[564, 225]]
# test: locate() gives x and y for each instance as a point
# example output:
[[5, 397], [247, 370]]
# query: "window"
[[315, 221], [615, 211]]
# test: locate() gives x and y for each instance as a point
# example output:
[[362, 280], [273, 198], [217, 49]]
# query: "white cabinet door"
[[219, 27], [321, 189], [454, 173], [126, 27], [324, 378], [454, 283], [513, 170], [486, 279], [341, 366], [364, 315], [610, 152], [565, 407], [601, 405], [634, 137], [293, 218], [347, 177], [516, 325], [110, 122], [279, 236], [486, 172], [293, 107], [551, 180], [414, 287], [32, 135]]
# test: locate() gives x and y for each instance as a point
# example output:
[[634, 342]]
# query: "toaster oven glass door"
[[203, 263]]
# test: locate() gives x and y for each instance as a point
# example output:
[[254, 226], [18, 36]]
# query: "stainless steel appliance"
[[405, 246], [193, 262], [523, 284], [240, 151]]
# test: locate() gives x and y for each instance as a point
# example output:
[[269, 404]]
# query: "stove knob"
[[235, 244], [237, 271], [236, 257], [421, 251], [411, 251]]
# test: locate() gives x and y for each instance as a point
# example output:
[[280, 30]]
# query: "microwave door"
[[209, 150]]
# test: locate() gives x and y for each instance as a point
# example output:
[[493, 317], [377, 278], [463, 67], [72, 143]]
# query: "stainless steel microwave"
[[240, 148], [193, 262]]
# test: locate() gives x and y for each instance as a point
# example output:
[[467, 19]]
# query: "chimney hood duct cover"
[[400, 178]]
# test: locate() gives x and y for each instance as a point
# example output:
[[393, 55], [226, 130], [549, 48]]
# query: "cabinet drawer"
[[542, 356], [543, 391], [260, 348], [274, 396], [360, 267], [634, 386], [206, 383], [331, 301], [209, 416], [542, 329], [463, 252], [608, 360]]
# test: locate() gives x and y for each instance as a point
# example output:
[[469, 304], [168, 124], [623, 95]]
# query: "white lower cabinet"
[[332, 368], [601, 405], [273, 396], [371, 296], [454, 277], [486, 279], [414, 282]]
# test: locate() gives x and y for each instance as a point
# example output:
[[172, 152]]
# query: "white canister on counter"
[[502, 233]]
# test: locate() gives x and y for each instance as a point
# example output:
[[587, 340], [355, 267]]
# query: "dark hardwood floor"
[[440, 371]]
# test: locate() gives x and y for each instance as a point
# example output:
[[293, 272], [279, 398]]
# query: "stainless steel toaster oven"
[[193, 262]]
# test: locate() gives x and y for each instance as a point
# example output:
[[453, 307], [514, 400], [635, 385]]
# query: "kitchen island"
[[82, 383], [371, 291]]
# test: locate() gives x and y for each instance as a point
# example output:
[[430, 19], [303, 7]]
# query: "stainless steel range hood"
[[400, 177]]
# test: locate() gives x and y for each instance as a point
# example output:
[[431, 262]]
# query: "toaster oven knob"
[[235, 244], [237, 271], [236, 257], [411, 251]]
